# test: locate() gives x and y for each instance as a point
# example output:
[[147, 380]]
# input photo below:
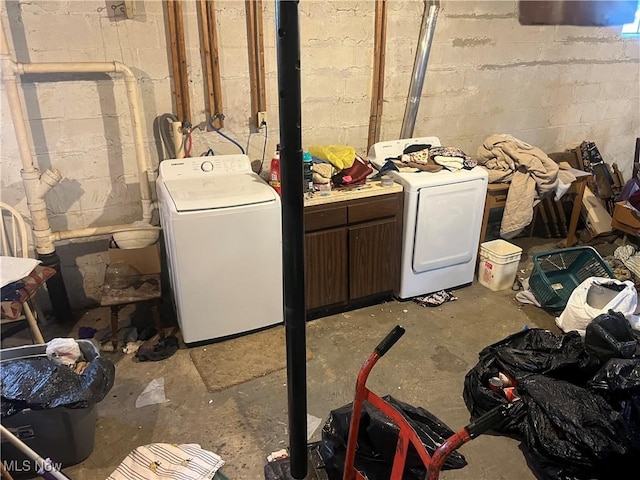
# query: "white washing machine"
[[222, 229], [442, 220]]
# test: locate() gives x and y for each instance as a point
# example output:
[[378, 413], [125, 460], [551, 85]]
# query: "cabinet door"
[[374, 258], [325, 266]]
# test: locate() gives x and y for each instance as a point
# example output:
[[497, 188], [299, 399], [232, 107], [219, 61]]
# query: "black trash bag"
[[529, 352], [618, 381], [540, 351], [610, 335], [571, 432], [40, 383], [377, 438]]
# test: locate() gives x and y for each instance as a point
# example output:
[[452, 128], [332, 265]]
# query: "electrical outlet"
[[262, 119]]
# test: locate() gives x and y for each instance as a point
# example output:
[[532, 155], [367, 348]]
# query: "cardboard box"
[[146, 260], [625, 219], [595, 215]]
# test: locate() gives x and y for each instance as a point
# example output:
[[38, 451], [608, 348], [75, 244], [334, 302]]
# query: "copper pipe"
[[178, 59], [256, 56], [251, 44], [206, 53], [175, 60], [186, 104], [377, 91], [262, 101], [215, 65]]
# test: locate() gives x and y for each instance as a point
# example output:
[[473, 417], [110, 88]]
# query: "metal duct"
[[427, 30]]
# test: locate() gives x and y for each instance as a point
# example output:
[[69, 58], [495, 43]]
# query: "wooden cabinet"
[[352, 252], [326, 267]]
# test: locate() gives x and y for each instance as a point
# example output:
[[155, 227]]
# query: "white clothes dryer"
[[222, 229], [442, 220]]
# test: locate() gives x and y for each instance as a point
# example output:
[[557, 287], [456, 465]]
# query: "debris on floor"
[[526, 295], [312, 425], [435, 299], [280, 468], [86, 332], [156, 348], [278, 455], [152, 394], [132, 347]]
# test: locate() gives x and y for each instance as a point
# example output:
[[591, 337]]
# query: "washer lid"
[[209, 193]]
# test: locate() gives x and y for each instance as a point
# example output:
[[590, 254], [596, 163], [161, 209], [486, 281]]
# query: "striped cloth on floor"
[[627, 254], [166, 461]]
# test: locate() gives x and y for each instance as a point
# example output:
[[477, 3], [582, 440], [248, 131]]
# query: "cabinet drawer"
[[374, 209], [325, 218]]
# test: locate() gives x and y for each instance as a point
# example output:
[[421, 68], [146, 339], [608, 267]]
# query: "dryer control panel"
[[205, 166], [379, 152]]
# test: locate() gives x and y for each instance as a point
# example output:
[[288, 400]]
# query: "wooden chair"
[[14, 243], [497, 197]]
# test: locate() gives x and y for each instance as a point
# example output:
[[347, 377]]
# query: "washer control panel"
[[206, 166], [209, 165]]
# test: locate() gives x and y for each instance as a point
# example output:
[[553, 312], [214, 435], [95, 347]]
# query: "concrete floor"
[[244, 423]]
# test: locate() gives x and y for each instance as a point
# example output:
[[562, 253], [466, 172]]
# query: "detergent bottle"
[[274, 172], [307, 170]]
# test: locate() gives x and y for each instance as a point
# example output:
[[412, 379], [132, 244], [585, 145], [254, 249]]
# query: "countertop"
[[370, 189]]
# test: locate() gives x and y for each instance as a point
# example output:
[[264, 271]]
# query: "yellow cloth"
[[340, 156]]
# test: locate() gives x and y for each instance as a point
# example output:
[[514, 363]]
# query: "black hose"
[[288, 42], [162, 126]]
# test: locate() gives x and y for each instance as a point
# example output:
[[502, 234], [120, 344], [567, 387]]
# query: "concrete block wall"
[[551, 86]]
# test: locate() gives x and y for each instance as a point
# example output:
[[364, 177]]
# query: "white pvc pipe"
[[178, 139], [37, 186], [131, 84], [87, 232]]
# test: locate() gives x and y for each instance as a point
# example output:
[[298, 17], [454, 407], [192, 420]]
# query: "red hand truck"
[[406, 434]]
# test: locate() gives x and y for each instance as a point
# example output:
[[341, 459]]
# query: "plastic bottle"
[[307, 166], [274, 171]]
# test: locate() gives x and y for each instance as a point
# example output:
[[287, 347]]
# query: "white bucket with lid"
[[498, 265]]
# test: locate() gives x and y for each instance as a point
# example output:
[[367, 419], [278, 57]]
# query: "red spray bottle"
[[274, 172]]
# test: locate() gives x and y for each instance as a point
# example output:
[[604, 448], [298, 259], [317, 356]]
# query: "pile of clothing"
[[341, 166], [532, 176], [427, 158], [338, 165]]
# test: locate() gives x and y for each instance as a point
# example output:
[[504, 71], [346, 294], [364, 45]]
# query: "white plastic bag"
[[578, 313], [63, 350]]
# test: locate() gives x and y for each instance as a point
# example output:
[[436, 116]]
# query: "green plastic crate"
[[557, 273]]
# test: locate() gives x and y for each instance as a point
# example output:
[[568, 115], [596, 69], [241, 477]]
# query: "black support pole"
[[288, 35], [56, 288]]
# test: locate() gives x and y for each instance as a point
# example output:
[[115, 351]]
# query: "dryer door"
[[448, 224]]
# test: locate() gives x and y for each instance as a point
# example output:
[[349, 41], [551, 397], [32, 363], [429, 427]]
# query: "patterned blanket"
[[18, 292]]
